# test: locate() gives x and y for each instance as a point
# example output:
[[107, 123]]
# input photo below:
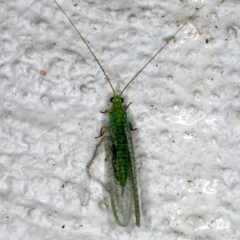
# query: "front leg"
[[126, 107], [106, 111]]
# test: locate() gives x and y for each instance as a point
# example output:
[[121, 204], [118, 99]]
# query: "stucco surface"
[[185, 106]]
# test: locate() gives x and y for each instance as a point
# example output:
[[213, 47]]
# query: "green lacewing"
[[121, 170]]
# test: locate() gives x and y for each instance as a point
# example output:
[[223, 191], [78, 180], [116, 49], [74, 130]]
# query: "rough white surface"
[[185, 105]]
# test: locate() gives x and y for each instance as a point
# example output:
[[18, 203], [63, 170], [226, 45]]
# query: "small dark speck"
[[215, 26], [206, 40], [63, 226], [163, 16], [189, 180], [63, 186]]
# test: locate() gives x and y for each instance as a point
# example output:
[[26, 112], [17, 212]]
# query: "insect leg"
[[102, 131], [131, 128], [128, 105], [106, 111]]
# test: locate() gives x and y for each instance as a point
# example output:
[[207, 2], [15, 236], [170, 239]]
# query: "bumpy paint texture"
[[185, 106]]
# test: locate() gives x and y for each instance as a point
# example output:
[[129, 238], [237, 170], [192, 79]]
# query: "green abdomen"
[[118, 124]]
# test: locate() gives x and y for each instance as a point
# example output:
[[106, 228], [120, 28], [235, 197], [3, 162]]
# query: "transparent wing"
[[121, 198], [133, 174]]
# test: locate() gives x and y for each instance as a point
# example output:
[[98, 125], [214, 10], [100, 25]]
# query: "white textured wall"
[[185, 105]]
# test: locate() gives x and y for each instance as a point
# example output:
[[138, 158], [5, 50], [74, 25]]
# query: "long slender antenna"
[[87, 46], [168, 41]]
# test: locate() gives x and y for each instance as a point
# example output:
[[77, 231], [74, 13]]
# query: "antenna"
[[168, 41], [87, 46]]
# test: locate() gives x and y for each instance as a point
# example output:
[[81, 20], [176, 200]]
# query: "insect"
[[121, 170]]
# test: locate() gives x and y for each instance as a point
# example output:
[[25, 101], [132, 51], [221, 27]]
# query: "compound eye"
[[122, 100], [111, 99]]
